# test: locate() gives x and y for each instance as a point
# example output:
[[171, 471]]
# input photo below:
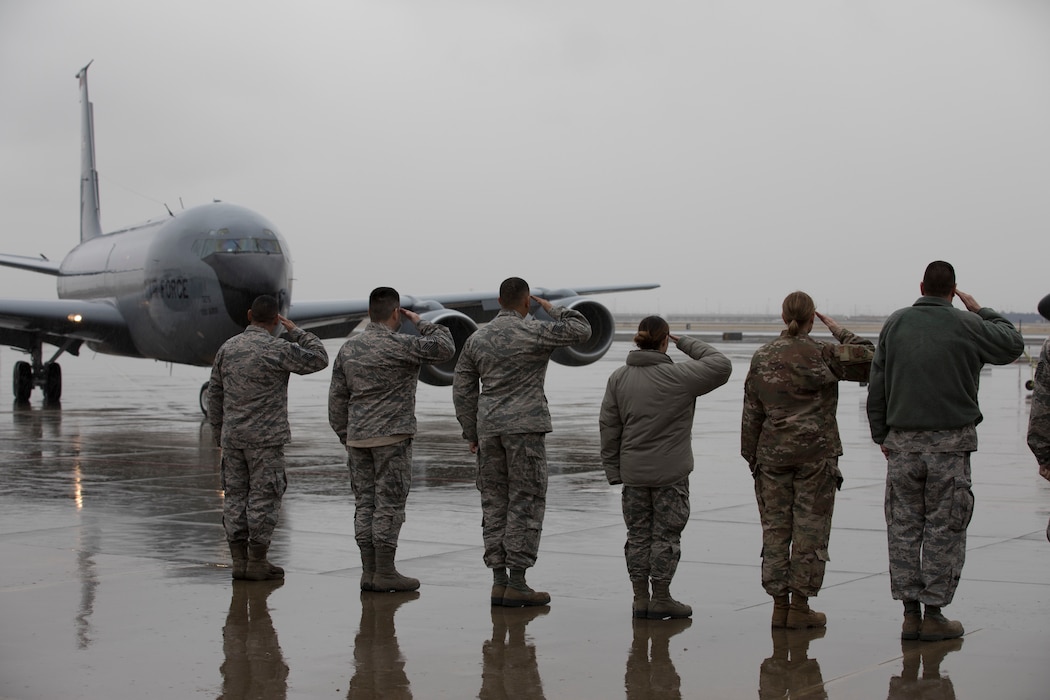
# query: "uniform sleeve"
[[338, 401], [751, 421], [465, 392], [999, 342], [850, 360], [434, 343], [610, 427], [215, 397], [1039, 419], [305, 354], [707, 370], [569, 327], [876, 405]]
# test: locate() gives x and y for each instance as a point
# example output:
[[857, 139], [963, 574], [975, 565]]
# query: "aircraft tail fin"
[[90, 220]]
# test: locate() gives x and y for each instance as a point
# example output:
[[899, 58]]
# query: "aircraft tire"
[[53, 383], [22, 382], [204, 399]]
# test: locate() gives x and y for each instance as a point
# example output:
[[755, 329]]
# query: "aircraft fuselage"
[[183, 283]]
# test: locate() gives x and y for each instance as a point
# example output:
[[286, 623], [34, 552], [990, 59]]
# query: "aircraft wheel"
[[204, 399], [23, 381], [1030, 384], [53, 383]]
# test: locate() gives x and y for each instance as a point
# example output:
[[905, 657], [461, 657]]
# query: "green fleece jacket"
[[928, 362]]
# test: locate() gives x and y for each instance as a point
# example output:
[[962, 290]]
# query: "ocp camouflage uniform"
[[789, 436], [372, 408], [1039, 418], [248, 412], [508, 418]]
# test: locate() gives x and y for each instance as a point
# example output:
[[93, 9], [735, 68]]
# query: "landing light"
[[75, 318]]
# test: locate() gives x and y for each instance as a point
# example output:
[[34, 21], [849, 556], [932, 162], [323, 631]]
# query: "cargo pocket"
[[962, 505]]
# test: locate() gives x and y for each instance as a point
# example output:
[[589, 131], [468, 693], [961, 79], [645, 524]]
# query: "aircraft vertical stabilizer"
[[90, 220]]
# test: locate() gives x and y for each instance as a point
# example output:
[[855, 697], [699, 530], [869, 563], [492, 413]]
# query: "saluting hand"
[[544, 304], [968, 301], [411, 316], [828, 321], [288, 325]]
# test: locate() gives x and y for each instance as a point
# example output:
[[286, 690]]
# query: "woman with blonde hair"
[[646, 424], [790, 438]]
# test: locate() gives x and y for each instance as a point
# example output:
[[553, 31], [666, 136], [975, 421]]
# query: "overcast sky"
[[730, 150]]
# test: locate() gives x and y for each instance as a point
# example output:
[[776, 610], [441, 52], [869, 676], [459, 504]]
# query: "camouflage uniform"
[[923, 409], [372, 408], [508, 419], [1039, 418], [248, 412], [655, 519], [790, 438]]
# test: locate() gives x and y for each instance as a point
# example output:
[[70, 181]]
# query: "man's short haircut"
[[382, 303], [513, 291], [265, 309], [939, 280]]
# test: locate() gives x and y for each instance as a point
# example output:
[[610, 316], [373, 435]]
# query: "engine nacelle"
[[462, 327], [603, 329]]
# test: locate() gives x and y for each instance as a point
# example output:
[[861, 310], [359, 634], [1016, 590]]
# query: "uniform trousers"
[[253, 483], [512, 479], [381, 478]]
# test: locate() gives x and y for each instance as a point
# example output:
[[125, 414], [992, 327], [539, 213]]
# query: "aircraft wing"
[[22, 262], [62, 322], [335, 319]]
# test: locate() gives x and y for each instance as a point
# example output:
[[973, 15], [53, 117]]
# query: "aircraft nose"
[[242, 278]]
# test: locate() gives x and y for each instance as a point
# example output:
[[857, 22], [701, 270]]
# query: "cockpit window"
[[221, 242]]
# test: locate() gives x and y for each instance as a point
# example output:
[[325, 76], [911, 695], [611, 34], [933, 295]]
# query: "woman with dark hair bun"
[[790, 439], [646, 426]]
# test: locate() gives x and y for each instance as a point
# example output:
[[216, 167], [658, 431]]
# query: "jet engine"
[[462, 327]]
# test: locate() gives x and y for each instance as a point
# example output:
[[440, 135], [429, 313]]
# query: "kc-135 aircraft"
[[175, 288]]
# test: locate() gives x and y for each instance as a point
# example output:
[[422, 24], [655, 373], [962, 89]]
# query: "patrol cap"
[[1044, 307]]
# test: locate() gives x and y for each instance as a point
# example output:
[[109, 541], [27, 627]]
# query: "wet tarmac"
[[115, 578]]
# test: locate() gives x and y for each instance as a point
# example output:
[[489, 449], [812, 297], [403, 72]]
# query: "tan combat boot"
[[519, 595], [258, 568], [912, 620], [800, 616], [499, 585], [936, 626], [387, 578], [640, 606], [663, 606], [781, 603]]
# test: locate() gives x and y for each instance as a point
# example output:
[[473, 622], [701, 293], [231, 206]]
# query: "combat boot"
[[936, 626], [640, 606], [912, 620], [519, 595], [239, 554], [499, 585], [368, 567], [663, 606], [800, 616], [258, 568], [781, 603], [387, 578]]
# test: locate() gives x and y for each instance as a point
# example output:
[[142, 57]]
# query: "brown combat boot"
[[800, 616], [368, 567], [499, 585], [663, 606], [781, 603], [519, 595], [387, 578], [936, 626], [239, 554], [912, 620], [258, 568], [640, 606]]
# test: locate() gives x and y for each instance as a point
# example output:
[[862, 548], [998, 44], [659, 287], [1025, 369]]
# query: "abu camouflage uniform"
[[372, 408], [790, 438], [248, 412], [1039, 418], [507, 416]]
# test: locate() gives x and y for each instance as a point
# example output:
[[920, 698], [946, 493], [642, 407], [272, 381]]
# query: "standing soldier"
[[1039, 418], [372, 408], [506, 423], [248, 412], [923, 412], [789, 435]]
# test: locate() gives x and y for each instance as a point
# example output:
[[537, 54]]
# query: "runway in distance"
[[175, 288]]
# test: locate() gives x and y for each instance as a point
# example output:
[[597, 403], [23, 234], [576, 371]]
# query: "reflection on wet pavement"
[[116, 578]]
